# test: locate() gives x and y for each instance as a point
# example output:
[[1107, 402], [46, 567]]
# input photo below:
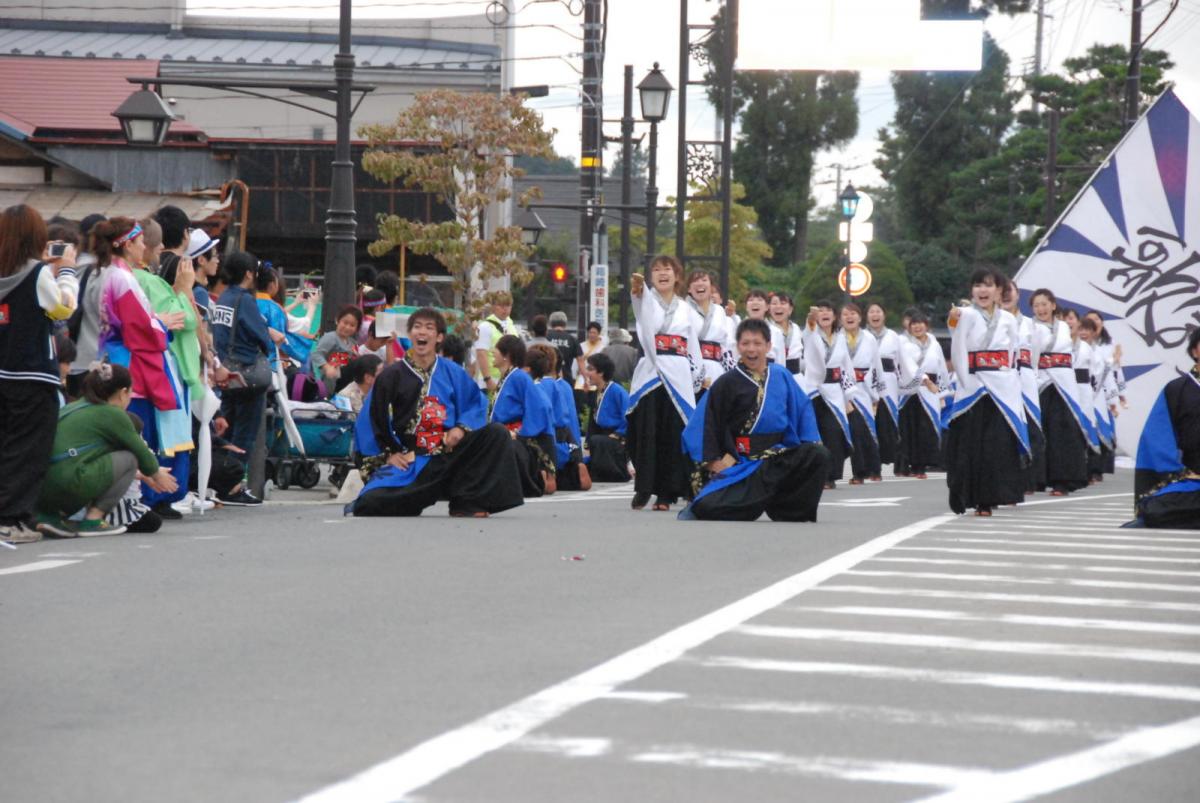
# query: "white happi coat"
[[820, 356], [919, 361], [1027, 370], [792, 354], [715, 330], [1055, 338], [888, 347], [1083, 363], [978, 332], [681, 375], [866, 392]]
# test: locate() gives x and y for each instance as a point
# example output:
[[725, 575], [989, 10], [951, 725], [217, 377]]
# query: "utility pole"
[[340, 225], [1133, 82], [1037, 52], [731, 33], [626, 194], [591, 162], [1051, 168]]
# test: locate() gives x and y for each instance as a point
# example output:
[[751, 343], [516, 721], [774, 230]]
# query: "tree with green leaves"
[[467, 162], [786, 118]]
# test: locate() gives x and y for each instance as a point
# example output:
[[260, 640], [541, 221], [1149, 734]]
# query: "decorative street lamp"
[[144, 118], [849, 202], [531, 227], [655, 92]]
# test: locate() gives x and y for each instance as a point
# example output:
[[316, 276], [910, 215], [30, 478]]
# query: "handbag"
[[255, 375]]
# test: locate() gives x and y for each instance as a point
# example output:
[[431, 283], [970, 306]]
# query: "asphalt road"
[[574, 650]]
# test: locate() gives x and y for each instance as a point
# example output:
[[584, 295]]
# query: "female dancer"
[[716, 344], [987, 445], [922, 379], [864, 396], [780, 311], [1027, 360], [1110, 386], [1067, 428], [887, 416], [527, 416], [828, 369], [1086, 332], [664, 386]]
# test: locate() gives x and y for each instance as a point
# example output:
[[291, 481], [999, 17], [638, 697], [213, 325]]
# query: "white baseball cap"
[[200, 243]]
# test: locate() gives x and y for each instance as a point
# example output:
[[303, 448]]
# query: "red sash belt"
[[671, 344], [431, 427], [987, 360], [709, 350], [743, 445], [833, 375], [860, 374], [1055, 359], [1025, 360], [514, 426]]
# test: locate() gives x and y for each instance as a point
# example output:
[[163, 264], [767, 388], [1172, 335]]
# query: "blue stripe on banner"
[[1168, 121], [1066, 239], [1134, 371], [1108, 187]]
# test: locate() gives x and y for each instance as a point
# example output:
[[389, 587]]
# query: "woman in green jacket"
[[96, 456]]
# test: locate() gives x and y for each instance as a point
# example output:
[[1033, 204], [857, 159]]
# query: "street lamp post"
[[655, 93], [144, 118], [849, 204], [340, 225]]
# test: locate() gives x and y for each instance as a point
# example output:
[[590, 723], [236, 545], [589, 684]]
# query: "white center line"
[[38, 566], [398, 777]]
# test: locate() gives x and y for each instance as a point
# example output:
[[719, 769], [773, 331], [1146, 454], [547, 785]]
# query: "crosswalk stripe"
[[929, 614], [951, 677], [995, 596], [1019, 542], [1063, 581], [1032, 554], [1057, 567], [1083, 534], [1038, 648]]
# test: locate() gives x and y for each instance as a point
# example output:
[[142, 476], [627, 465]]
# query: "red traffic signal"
[[558, 272]]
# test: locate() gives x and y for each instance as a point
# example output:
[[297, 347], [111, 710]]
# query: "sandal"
[[855, 481], [829, 486], [639, 501], [983, 511], [663, 503], [462, 514], [876, 478]]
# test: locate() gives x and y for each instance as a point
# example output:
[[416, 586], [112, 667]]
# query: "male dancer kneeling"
[[756, 436], [424, 436]]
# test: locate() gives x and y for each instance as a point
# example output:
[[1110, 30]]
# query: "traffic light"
[[558, 273]]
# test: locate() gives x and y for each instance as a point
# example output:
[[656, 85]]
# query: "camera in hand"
[[57, 249]]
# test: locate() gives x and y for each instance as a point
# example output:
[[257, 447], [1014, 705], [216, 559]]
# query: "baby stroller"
[[302, 435]]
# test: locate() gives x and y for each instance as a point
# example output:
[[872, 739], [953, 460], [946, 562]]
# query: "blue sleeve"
[[693, 433], [538, 416], [803, 419], [1158, 448], [252, 321], [567, 395], [470, 405], [622, 402]]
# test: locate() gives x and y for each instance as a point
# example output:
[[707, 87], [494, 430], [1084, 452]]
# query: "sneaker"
[[90, 527], [56, 526], [242, 498], [183, 507], [19, 534], [166, 511], [194, 502]]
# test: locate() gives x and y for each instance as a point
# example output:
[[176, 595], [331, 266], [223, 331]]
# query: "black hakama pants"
[[534, 455], [567, 475], [833, 436], [920, 446], [1101, 463], [984, 464], [1036, 475], [889, 434], [609, 462], [1176, 511], [787, 487], [864, 456], [1066, 446], [654, 441], [481, 475]]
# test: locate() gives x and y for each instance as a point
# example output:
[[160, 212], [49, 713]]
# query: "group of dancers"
[[738, 417]]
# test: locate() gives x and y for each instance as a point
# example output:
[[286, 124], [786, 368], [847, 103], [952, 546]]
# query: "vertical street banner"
[[598, 300], [1128, 247]]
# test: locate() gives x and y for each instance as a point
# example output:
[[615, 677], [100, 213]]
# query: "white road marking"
[[209, 537], [396, 778], [1084, 532], [70, 554], [1068, 544], [1060, 581], [842, 769], [1058, 500], [872, 501], [1072, 769], [986, 596], [1057, 567], [1039, 648], [1029, 553], [1033, 726], [1047, 683], [38, 566], [1170, 628], [645, 696], [566, 746]]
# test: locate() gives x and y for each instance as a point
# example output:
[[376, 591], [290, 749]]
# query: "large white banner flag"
[[1127, 247]]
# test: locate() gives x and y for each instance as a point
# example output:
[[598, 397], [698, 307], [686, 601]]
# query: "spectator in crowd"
[[152, 235], [206, 261], [96, 455], [36, 289], [585, 391], [174, 300], [539, 327], [363, 371], [84, 324], [336, 349], [134, 336], [66, 351], [623, 355], [228, 471], [266, 285], [243, 343], [364, 277], [570, 355], [300, 336], [388, 283], [491, 329], [454, 348], [176, 233]]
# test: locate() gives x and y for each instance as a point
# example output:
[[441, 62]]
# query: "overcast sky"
[[641, 32]]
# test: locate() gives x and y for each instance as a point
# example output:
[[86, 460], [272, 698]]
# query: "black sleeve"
[[719, 421], [393, 404]]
